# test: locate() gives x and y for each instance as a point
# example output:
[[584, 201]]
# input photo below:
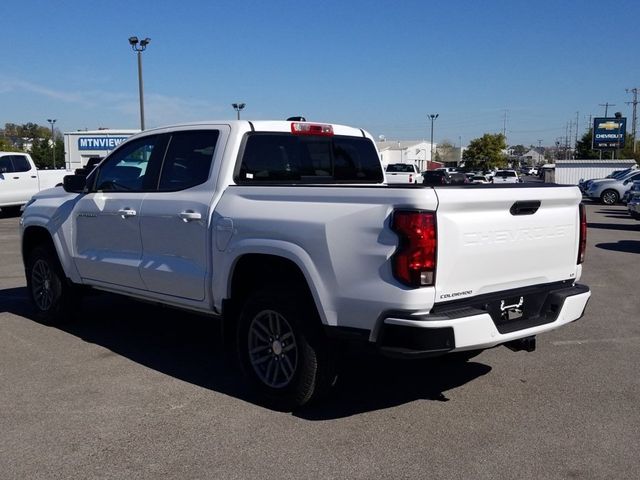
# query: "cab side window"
[[187, 162], [126, 168], [6, 166], [20, 163]]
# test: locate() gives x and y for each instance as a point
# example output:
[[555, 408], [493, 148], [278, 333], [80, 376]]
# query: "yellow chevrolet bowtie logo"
[[609, 125]]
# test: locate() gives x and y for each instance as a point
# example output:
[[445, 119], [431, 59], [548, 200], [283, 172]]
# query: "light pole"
[[53, 142], [140, 46], [238, 107], [432, 117]]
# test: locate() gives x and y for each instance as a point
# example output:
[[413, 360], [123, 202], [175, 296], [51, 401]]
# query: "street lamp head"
[[238, 106], [133, 41], [145, 42]]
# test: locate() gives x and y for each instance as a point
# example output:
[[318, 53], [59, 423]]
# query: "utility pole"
[[53, 142], [540, 149], [432, 117], [569, 138], [606, 107], [634, 119], [504, 125], [577, 118]]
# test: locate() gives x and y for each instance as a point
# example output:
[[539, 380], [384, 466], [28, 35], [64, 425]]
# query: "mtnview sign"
[[99, 143]]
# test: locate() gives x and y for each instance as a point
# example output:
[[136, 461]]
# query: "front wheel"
[[609, 197], [282, 349], [50, 293]]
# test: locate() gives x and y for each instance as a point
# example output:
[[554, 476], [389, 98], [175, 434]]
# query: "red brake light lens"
[[299, 128], [583, 234], [414, 263]]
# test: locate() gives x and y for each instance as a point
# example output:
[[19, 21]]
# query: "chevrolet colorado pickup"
[[288, 233]]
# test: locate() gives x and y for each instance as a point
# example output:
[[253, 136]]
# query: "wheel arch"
[[251, 270]]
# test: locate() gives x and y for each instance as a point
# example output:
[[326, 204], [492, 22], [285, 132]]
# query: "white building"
[[408, 151], [80, 146]]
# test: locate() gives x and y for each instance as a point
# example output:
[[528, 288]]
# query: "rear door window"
[[287, 158], [188, 159], [20, 163]]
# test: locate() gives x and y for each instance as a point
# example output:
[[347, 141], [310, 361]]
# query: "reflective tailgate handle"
[[525, 207]]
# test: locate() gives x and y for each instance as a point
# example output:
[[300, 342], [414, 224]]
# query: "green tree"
[[518, 150], [583, 147], [584, 150], [446, 152], [486, 152]]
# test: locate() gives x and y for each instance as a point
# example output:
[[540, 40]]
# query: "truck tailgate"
[[494, 239]]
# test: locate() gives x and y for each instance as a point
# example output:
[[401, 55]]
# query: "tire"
[[609, 197], [282, 349], [49, 290]]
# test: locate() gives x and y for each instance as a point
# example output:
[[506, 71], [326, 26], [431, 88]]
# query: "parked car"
[[505, 176], [457, 178], [435, 177], [20, 180], [403, 173], [610, 190], [584, 185], [633, 205], [635, 188], [479, 179]]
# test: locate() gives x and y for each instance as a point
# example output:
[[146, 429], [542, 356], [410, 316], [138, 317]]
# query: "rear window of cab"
[[287, 158]]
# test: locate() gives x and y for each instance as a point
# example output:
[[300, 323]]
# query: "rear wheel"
[[609, 197], [51, 294], [282, 349]]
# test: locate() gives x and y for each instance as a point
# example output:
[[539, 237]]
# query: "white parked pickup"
[[287, 232], [403, 173], [20, 180]]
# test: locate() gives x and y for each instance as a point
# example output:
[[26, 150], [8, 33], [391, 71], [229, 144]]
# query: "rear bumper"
[[480, 323]]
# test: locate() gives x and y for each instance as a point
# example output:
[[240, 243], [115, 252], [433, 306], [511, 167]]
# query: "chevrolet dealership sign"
[[609, 132]]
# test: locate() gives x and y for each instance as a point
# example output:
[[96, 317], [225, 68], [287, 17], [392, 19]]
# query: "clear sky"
[[380, 65]]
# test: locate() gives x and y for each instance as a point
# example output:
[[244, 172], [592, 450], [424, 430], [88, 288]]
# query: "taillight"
[[583, 234], [299, 128], [414, 263]]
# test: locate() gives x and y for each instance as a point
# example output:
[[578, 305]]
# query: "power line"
[[606, 107]]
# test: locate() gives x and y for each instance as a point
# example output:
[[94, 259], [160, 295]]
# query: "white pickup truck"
[[403, 173], [288, 233], [20, 180]]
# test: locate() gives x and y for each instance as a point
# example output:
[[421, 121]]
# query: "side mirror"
[[74, 183], [626, 182]]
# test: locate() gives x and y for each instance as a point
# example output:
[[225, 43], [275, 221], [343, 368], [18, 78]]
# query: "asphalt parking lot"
[[135, 391]]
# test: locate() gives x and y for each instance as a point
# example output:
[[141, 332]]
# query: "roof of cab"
[[264, 126]]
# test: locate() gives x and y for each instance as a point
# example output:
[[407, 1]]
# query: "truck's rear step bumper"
[[482, 322]]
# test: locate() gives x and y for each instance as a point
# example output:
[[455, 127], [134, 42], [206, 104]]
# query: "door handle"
[[127, 212], [190, 215], [16, 178]]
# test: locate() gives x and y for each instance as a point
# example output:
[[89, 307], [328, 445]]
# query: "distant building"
[[407, 151], [535, 156]]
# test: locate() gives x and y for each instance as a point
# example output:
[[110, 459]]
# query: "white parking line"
[[595, 340]]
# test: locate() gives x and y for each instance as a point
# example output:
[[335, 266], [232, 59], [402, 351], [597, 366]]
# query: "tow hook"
[[528, 344]]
